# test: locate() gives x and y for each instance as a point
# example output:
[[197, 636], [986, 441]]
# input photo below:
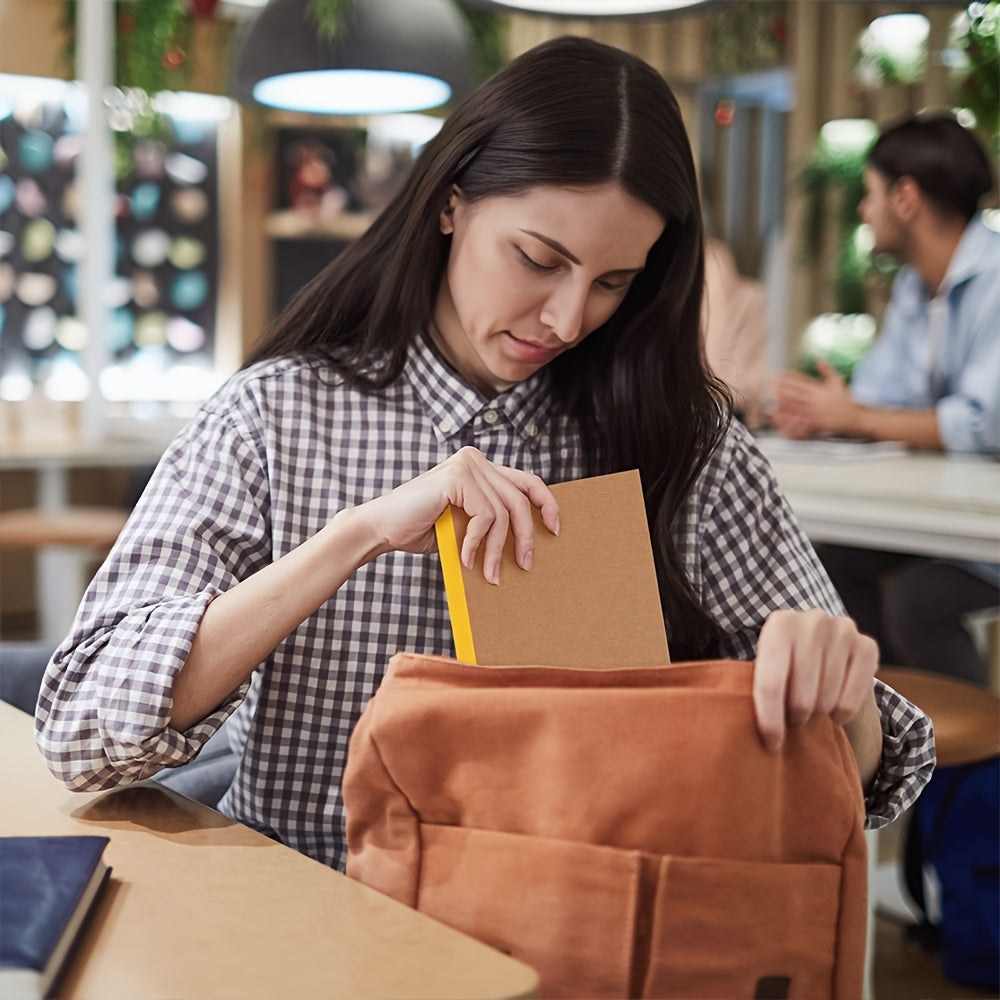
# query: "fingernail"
[[556, 532], [494, 576], [529, 560]]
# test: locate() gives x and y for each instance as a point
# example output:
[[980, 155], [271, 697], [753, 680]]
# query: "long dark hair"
[[569, 113]]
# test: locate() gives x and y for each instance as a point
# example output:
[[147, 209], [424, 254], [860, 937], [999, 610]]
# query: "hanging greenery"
[[837, 174], [328, 15], [489, 32], [487, 29], [747, 36], [152, 39], [151, 44], [892, 50], [976, 43]]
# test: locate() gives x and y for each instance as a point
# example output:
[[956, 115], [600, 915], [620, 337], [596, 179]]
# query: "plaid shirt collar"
[[452, 404]]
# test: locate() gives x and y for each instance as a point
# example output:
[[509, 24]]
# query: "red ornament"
[[724, 113], [779, 30], [203, 9], [126, 23], [174, 57]]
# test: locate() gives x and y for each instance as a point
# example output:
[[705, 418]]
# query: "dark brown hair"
[[944, 158], [569, 113]]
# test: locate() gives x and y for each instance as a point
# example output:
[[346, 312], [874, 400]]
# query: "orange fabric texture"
[[622, 831]]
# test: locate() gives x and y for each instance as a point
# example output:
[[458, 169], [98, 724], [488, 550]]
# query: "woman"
[[526, 310]]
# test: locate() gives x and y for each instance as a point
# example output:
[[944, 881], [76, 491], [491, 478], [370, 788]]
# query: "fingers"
[[810, 663], [793, 425], [828, 372], [857, 687], [499, 500], [770, 680]]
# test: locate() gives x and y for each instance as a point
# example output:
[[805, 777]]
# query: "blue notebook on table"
[[47, 887]]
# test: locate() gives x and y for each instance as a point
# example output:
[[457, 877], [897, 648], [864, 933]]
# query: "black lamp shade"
[[428, 38]]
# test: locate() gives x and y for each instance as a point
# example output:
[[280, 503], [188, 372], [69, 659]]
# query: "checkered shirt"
[[265, 464]]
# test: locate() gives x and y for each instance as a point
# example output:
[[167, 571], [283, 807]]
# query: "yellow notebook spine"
[[454, 585]]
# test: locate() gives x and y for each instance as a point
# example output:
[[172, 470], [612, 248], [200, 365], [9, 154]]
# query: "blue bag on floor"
[[955, 830]]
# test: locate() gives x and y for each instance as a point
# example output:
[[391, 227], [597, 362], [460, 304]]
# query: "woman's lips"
[[528, 350]]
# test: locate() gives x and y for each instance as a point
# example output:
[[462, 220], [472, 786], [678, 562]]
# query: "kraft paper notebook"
[[591, 599]]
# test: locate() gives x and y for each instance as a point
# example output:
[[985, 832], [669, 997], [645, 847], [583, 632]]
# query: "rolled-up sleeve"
[[908, 758], [747, 556], [103, 714]]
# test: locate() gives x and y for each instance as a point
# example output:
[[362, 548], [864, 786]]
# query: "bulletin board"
[[163, 301]]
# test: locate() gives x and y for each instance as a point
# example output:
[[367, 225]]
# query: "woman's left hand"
[[812, 663]]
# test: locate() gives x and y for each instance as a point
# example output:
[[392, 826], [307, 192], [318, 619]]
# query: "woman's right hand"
[[495, 498]]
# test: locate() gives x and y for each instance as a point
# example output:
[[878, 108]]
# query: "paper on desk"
[[826, 449]]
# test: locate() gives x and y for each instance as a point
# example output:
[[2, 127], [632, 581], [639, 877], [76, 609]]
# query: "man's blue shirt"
[[955, 372], [959, 376]]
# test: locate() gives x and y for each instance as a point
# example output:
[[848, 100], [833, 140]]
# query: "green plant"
[[488, 30], [976, 43], [328, 15], [152, 38], [892, 50], [747, 36], [835, 173]]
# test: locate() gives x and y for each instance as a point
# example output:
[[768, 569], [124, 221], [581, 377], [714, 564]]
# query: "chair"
[[205, 779], [966, 721], [966, 717], [67, 542]]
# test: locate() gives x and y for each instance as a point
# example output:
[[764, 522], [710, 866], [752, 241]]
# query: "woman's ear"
[[447, 217]]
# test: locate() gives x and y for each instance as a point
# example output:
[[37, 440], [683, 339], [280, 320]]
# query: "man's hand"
[[805, 406]]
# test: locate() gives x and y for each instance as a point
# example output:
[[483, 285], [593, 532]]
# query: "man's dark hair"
[[944, 158]]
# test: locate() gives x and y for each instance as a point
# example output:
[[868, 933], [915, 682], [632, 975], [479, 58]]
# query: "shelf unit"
[[295, 224]]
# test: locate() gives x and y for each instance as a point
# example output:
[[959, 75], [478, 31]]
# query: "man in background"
[[932, 380]]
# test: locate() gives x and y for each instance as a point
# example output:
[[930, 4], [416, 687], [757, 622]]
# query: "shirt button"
[[531, 430], [491, 416], [447, 425]]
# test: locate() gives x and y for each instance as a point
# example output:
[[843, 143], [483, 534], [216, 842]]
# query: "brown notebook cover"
[[591, 599]]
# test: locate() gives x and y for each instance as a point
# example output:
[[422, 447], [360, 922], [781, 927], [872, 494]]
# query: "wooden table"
[[201, 906]]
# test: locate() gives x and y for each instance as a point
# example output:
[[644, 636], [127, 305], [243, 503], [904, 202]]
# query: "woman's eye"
[[534, 264], [620, 285]]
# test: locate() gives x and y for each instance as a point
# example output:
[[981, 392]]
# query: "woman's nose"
[[564, 310]]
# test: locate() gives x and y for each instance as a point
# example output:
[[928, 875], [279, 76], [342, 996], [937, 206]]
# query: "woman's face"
[[530, 276]]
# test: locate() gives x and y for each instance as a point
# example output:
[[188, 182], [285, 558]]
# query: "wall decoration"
[[747, 36], [166, 251]]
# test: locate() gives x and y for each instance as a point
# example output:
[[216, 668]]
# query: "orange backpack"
[[622, 831]]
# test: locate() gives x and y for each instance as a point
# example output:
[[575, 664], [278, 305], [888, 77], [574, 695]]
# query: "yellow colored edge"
[[454, 585]]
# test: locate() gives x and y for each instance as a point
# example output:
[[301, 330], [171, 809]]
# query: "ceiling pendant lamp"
[[604, 8], [386, 56]]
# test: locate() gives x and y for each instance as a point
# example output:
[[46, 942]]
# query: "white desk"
[[919, 502]]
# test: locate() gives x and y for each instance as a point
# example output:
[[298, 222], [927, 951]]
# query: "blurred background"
[[173, 171], [148, 194]]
